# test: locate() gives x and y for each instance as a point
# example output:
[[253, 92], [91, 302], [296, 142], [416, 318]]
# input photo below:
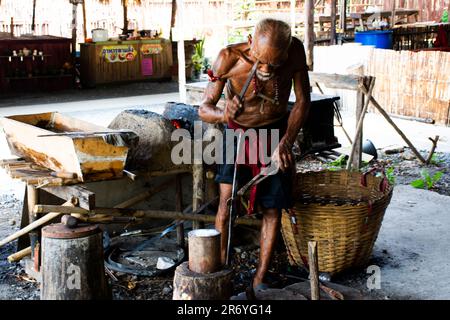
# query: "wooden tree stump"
[[204, 250], [189, 285], [72, 263]]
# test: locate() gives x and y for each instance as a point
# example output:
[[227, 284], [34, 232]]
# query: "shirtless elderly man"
[[281, 62]]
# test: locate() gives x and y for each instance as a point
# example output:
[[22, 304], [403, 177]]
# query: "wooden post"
[[354, 160], [72, 264], [74, 29], [34, 17], [197, 191], [292, 14], [179, 205], [309, 33], [125, 16], [393, 14], [181, 54], [343, 16], [173, 17], [313, 270], [83, 5], [32, 200], [12, 27], [333, 22], [204, 250]]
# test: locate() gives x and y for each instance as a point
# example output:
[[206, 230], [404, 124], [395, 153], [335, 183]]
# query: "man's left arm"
[[297, 117]]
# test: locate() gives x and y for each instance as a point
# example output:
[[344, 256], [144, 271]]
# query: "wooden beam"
[[144, 214], [309, 33], [86, 198]]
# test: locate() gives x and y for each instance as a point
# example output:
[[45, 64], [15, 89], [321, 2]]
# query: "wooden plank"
[[336, 81], [86, 198]]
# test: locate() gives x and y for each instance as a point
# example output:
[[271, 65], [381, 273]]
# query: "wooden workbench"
[[125, 61]]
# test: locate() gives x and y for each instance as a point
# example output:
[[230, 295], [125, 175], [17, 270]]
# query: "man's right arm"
[[208, 111]]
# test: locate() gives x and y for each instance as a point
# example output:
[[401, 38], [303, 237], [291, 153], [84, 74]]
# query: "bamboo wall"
[[408, 83]]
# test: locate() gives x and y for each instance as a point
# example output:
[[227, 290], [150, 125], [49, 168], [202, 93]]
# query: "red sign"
[[147, 66]]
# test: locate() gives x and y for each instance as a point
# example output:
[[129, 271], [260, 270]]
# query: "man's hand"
[[232, 109], [282, 156]]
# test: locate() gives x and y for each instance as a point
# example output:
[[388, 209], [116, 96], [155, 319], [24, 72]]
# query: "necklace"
[[257, 90]]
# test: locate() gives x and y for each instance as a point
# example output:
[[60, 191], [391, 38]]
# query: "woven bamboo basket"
[[342, 211]]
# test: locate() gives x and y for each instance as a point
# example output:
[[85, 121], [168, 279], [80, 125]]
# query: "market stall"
[[34, 63], [123, 61]]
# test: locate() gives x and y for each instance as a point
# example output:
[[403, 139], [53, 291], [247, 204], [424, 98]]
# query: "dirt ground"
[[14, 283]]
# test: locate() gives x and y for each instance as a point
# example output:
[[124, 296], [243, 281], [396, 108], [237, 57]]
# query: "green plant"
[[337, 164], [199, 56], [390, 175], [427, 181], [435, 160]]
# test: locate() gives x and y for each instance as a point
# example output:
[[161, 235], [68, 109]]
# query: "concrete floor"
[[414, 234]]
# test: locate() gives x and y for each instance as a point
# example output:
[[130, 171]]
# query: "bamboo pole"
[[39, 222], [144, 214], [19, 255], [392, 123]]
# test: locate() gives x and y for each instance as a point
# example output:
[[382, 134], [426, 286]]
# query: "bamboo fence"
[[415, 84]]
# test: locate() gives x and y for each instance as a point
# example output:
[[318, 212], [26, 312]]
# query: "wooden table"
[[125, 61], [362, 17]]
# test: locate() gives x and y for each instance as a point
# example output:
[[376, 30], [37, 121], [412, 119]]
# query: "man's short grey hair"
[[278, 32]]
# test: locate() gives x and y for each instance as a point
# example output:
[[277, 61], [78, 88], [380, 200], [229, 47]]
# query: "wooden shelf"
[[26, 57], [41, 77]]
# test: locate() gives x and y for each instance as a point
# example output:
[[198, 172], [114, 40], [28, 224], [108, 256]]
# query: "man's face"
[[269, 57]]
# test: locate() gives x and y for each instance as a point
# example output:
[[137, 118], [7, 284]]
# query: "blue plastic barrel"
[[379, 39]]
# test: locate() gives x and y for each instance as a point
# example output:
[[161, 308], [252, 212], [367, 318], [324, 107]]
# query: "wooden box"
[[68, 145]]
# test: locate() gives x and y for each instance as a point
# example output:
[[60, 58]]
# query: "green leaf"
[[419, 184], [437, 176]]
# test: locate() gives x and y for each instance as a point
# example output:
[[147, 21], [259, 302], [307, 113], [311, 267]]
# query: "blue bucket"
[[379, 39]]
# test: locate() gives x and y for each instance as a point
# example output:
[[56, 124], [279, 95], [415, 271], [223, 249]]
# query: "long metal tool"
[[232, 203], [247, 82]]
